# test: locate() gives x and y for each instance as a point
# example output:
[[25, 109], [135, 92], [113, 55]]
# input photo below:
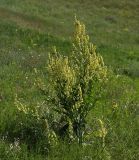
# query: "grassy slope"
[[113, 26], [29, 28]]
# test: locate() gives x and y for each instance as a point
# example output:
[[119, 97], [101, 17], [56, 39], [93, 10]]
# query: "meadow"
[[28, 31]]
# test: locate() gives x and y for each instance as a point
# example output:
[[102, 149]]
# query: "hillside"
[[30, 28]]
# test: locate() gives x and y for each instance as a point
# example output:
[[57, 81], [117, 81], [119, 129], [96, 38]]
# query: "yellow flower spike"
[[102, 131], [115, 105]]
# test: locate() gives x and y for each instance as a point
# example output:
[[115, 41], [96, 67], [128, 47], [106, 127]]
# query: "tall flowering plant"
[[76, 81]]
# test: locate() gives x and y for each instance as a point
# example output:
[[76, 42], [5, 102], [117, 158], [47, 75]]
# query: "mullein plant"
[[76, 82]]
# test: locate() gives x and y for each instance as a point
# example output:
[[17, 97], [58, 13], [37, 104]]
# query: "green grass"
[[28, 30], [112, 26]]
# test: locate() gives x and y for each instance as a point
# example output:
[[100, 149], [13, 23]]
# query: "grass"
[[112, 26], [28, 30]]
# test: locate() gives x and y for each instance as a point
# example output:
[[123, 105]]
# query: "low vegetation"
[[60, 98]]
